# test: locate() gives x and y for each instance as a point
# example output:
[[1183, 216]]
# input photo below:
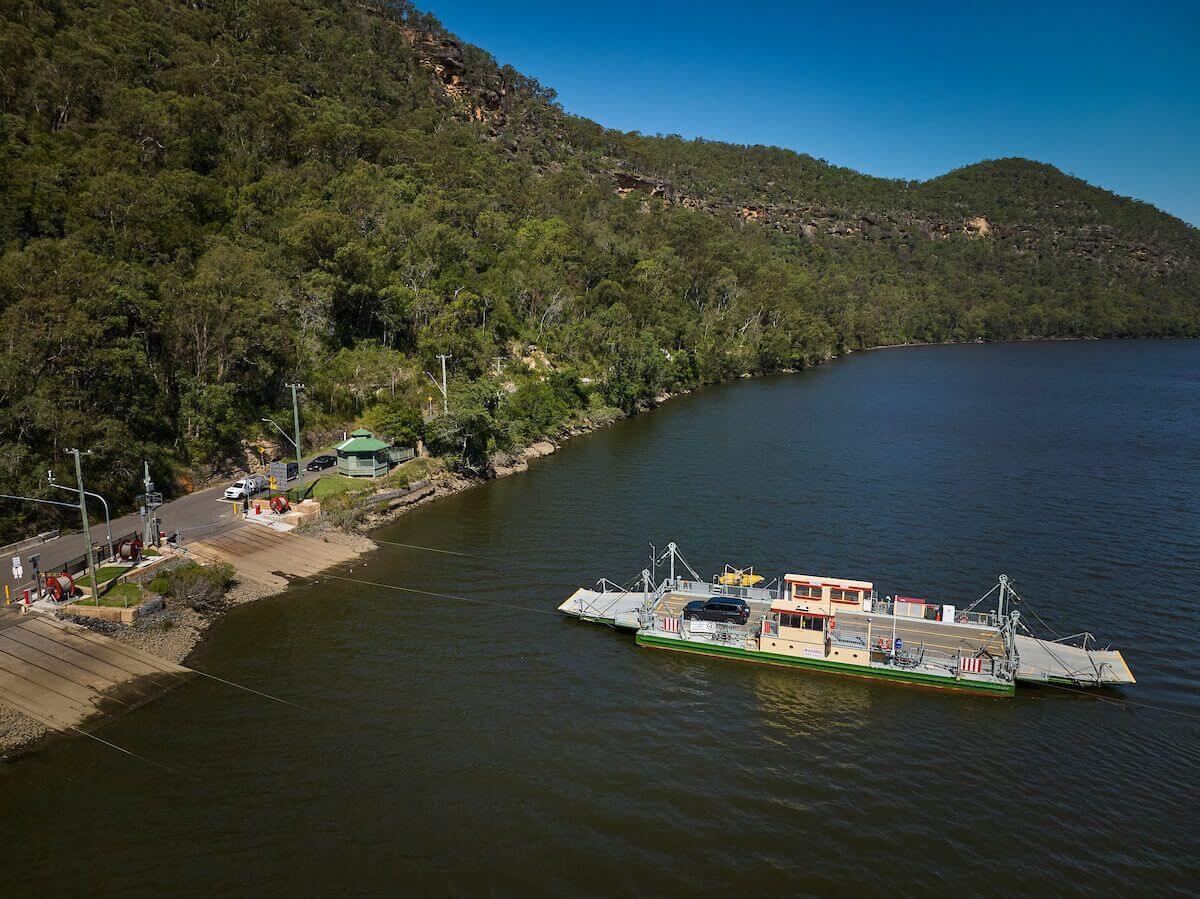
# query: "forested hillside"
[[204, 200]]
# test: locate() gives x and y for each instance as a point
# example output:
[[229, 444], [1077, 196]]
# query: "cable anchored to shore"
[[465, 555], [477, 601], [230, 683]]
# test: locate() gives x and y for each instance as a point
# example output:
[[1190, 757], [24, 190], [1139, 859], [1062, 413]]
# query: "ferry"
[[843, 626]]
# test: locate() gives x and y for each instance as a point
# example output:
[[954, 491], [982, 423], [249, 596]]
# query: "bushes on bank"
[[199, 587]]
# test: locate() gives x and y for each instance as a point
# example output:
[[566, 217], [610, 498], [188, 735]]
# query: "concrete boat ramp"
[[70, 678], [270, 557]]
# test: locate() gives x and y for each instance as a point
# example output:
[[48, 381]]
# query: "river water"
[[465, 748]]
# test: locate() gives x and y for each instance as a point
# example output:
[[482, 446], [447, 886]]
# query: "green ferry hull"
[[768, 658]]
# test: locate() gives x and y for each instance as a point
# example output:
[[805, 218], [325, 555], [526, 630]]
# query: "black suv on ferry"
[[719, 608]]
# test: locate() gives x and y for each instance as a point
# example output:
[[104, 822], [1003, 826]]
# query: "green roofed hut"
[[363, 455]]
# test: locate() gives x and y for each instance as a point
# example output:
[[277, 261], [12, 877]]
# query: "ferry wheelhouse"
[[843, 626]]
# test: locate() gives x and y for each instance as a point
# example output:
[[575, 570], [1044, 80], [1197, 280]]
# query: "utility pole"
[[296, 425], [87, 534]]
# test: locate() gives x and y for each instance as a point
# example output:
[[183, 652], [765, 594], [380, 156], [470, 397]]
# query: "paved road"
[[196, 515]]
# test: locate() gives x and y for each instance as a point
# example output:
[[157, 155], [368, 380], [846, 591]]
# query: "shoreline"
[[174, 633]]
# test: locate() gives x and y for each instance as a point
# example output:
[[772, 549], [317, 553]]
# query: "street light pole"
[[87, 534], [107, 520]]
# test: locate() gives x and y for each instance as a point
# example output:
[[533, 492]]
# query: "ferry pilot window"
[[806, 591], [844, 595], [802, 622]]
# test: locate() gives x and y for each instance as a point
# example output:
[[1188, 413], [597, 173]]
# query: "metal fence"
[[79, 564], [887, 605], [757, 594], [911, 654], [100, 550], [711, 631]]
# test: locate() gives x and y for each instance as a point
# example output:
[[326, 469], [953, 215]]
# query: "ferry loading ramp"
[[1045, 661]]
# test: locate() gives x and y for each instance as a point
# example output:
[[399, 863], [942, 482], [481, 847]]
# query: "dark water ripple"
[[471, 750]]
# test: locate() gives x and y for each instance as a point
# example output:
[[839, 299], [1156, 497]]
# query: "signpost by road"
[[18, 571], [279, 473]]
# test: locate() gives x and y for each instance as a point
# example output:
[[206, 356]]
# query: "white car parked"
[[246, 487]]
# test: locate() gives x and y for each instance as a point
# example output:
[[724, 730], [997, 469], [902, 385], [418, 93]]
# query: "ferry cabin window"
[[803, 622], [844, 595], [806, 591]]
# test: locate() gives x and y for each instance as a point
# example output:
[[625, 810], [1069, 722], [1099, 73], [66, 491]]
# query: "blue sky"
[[1109, 92]]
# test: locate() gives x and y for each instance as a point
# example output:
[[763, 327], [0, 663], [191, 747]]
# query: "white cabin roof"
[[821, 580]]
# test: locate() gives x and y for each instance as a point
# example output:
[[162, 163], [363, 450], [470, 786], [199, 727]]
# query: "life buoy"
[[961, 619], [883, 645], [833, 622]]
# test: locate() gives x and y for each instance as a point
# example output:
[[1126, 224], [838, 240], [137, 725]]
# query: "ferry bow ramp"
[[614, 606], [1045, 661]]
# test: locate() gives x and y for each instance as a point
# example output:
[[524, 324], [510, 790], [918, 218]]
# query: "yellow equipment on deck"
[[739, 577]]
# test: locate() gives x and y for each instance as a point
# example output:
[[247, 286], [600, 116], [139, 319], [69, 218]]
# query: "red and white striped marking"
[[972, 665], [670, 625]]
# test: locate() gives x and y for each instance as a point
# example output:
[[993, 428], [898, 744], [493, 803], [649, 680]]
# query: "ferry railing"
[[1087, 640], [886, 606], [610, 594], [913, 654], [757, 594], [711, 631], [717, 631]]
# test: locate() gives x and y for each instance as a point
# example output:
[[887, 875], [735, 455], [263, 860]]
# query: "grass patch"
[[332, 485], [118, 597], [105, 573]]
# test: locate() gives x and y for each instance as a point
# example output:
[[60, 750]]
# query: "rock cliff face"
[[1098, 243], [479, 91], [445, 58]]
